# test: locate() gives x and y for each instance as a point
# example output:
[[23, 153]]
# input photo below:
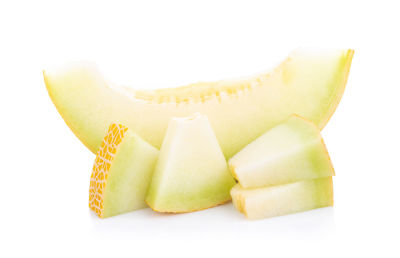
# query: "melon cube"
[[289, 152], [121, 173], [191, 173], [265, 202]]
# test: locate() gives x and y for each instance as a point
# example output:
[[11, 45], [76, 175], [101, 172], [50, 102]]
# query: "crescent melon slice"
[[289, 152], [309, 83], [191, 172], [121, 173], [266, 202]]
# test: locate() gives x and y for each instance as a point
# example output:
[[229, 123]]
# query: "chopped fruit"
[[191, 172], [289, 152], [121, 173], [308, 83], [279, 200]]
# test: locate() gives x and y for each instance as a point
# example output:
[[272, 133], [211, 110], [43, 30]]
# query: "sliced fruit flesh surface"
[[280, 200], [308, 83], [191, 172], [121, 173], [289, 152]]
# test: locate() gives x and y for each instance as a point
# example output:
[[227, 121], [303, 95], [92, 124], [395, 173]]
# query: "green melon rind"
[[129, 175]]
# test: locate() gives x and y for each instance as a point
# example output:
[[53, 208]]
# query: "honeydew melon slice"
[[191, 172], [121, 173], [289, 152], [265, 202], [309, 83]]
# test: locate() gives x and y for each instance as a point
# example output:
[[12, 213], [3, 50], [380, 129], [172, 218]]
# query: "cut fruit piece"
[[191, 172], [121, 173], [308, 83], [289, 152], [280, 200]]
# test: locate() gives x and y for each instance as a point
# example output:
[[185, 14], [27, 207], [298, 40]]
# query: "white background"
[[45, 170]]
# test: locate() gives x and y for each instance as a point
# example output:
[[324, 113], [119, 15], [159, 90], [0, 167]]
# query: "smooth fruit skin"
[[291, 151], [191, 172], [266, 202], [308, 83]]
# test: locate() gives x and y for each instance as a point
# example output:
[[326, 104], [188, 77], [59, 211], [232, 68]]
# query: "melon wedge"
[[308, 83], [280, 200], [191, 172], [289, 152], [121, 173]]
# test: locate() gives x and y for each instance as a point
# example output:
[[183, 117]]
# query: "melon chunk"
[[289, 152], [191, 172], [279, 200], [121, 173], [308, 83]]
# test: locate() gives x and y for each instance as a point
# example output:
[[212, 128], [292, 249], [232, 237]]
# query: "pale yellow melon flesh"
[[289, 152], [191, 172], [308, 83], [121, 173], [266, 202]]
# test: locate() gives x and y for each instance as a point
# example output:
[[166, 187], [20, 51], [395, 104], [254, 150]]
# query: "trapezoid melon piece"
[[121, 173], [191, 172], [265, 202], [289, 152], [309, 83]]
